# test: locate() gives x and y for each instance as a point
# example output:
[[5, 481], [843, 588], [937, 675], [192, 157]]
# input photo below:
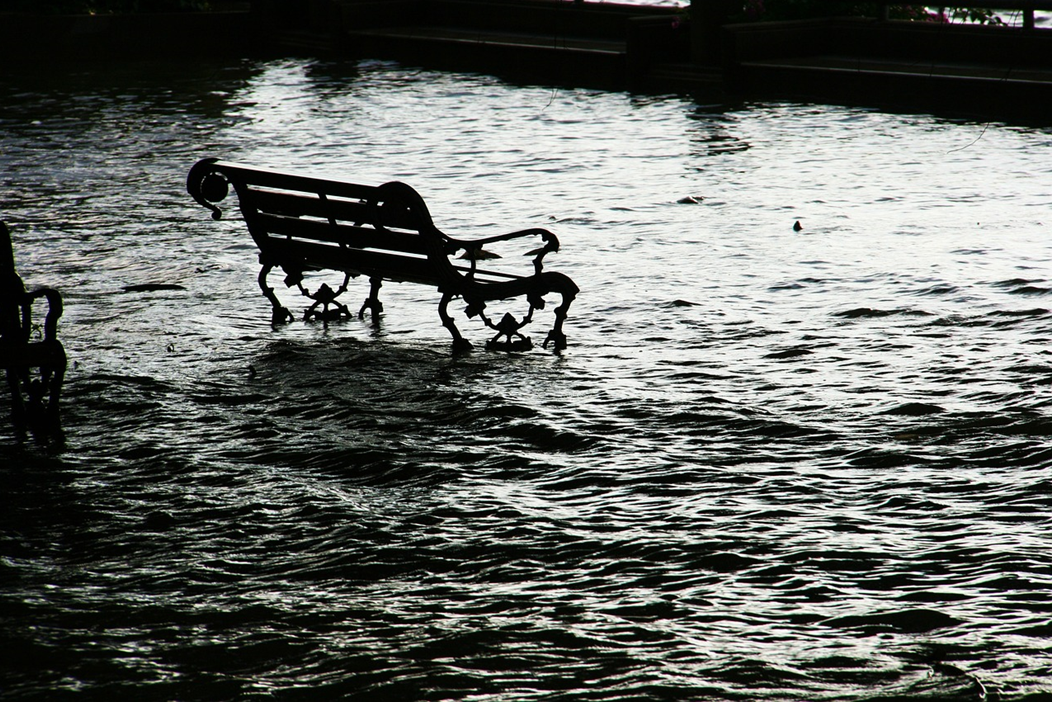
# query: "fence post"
[[707, 18]]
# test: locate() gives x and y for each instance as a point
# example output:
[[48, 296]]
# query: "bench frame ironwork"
[[35, 368], [302, 223]]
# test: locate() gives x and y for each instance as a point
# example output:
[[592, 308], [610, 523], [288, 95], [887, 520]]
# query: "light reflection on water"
[[772, 464]]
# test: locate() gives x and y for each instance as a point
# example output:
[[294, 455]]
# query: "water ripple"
[[773, 464]]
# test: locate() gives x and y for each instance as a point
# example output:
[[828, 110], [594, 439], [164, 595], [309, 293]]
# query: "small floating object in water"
[[159, 521], [789, 353], [797, 227], [915, 409], [689, 200], [152, 287]]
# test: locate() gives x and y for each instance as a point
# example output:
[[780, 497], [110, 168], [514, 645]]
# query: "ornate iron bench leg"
[[35, 398], [373, 301], [18, 407], [57, 378], [460, 344], [43, 393], [279, 314], [556, 337]]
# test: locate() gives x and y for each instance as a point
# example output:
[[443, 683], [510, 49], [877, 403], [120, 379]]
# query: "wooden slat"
[[487, 276], [309, 205], [381, 264], [277, 226], [256, 177], [302, 204]]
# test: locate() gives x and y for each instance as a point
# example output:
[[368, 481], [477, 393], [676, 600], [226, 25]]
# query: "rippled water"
[[771, 465]]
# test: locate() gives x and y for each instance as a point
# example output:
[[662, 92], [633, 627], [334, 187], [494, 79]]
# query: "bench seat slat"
[[255, 178], [350, 236], [386, 265], [339, 210], [309, 205], [356, 262]]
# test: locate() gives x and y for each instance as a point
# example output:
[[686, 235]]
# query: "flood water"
[[771, 464]]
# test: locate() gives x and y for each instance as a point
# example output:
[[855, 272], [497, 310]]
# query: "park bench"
[[303, 224], [35, 363]]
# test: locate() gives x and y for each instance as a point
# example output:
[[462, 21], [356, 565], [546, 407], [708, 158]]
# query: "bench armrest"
[[470, 247], [54, 301]]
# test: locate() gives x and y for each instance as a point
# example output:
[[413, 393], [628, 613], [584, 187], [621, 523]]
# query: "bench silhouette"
[[385, 233], [35, 366]]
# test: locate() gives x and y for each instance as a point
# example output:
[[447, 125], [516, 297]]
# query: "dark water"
[[771, 465]]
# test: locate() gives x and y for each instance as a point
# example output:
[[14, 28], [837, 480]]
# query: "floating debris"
[[152, 287]]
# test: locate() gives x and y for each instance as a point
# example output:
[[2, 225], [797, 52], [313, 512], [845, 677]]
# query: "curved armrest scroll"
[[551, 244], [207, 185], [54, 302]]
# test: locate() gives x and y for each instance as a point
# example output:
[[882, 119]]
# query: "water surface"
[[771, 465]]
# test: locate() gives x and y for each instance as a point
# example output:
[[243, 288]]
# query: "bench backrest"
[[12, 292], [306, 222]]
